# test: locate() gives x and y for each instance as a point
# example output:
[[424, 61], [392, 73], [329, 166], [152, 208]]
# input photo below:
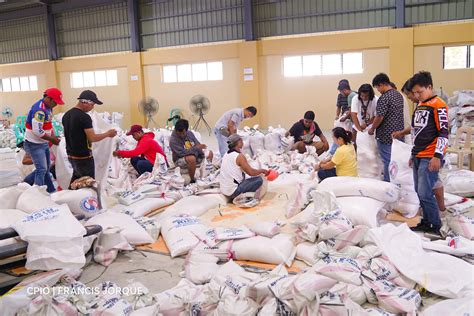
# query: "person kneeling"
[[344, 162], [233, 169], [143, 156], [188, 153], [304, 132]]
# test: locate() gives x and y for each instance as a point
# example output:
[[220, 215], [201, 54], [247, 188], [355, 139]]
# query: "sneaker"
[[421, 227], [433, 233]]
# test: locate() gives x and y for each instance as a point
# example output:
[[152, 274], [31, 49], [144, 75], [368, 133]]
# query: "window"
[[193, 72], [458, 57], [97, 78], [316, 65], [17, 84]]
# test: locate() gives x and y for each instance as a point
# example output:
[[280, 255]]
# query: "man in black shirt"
[[304, 131], [388, 119], [80, 135]]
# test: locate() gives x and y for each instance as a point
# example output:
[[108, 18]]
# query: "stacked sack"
[[402, 176], [370, 164]]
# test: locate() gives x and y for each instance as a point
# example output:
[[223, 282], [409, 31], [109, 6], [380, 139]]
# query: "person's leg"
[[439, 195], [426, 182], [82, 168], [326, 173], [191, 162], [38, 155], [385, 154], [300, 147], [319, 147], [134, 161], [47, 177], [30, 179], [248, 185], [144, 166], [354, 138], [222, 142]]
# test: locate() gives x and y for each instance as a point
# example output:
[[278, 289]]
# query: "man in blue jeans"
[[430, 131], [388, 119], [39, 132]]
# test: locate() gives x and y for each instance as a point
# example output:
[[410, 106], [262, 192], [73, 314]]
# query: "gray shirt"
[[234, 115], [184, 146]]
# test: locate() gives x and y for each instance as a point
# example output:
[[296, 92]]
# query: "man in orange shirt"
[[430, 141]]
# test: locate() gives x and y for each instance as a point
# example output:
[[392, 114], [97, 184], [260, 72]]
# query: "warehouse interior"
[[281, 58]]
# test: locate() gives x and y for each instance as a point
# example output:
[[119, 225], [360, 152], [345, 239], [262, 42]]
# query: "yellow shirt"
[[345, 160]]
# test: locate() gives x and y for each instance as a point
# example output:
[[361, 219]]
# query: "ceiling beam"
[[20, 14], [79, 4]]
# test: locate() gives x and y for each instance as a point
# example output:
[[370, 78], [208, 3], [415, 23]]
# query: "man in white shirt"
[[363, 109], [228, 124]]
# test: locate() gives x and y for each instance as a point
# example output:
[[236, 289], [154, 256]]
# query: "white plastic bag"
[[345, 270], [222, 233], [460, 182], [7, 218], [266, 229], [9, 196], [180, 233], [362, 210], [190, 205], [82, 201], [34, 199], [273, 142], [257, 142], [367, 153], [462, 225], [143, 207], [108, 245], [400, 172], [199, 268]]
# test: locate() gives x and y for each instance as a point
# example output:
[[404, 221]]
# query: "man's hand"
[[363, 126], [264, 171], [397, 135], [434, 165], [371, 131], [317, 166], [115, 154], [410, 163], [201, 146], [111, 133], [55, 140]]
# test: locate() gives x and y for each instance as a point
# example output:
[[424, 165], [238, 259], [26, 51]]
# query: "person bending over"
[[228, 124], [344, 161], [188, 152], [304, 132], [234, 167], [363, 109], [143, 156]]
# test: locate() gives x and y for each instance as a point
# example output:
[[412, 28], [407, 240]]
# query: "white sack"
[[396, 299], [400, 172], [80, 202], [180, 233], [222, 233], [199, 268], [234, 305], [190, 205], [426, 268], [273, 142], [108, 245], [34, 199], [9, 196], [257, 142], [266, 229], [461, 225], [277, 250], [345, 270], [460, 182], [7, 218], [129, 228], [368, 154], [143, 207], [453, 307], [362, 210], [353, 186]]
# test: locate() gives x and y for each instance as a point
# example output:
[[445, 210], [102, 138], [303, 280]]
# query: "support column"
[[400, 13], [249, 87], [136, 87], [248, 21], [401, 52], [50, 28], [132, 9]]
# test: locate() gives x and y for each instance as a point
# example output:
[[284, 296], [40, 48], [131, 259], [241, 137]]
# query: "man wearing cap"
[[345, 101], [228, 124], [187, 151], [80, 135], [143, 156], [39, 132], [233, 169]]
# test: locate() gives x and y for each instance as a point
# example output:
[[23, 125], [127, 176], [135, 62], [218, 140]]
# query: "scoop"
[[272, 175]]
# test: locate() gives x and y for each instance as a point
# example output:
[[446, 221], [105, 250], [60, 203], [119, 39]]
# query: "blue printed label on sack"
[[89, 204], [185, 221], [42, 215]]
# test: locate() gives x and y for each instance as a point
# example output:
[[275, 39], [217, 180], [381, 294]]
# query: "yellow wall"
[[115, 98], [223, 94], [285, 100], [431, 58], [279, 100]]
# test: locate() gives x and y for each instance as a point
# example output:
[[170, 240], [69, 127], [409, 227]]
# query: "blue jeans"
[[385, 151], [326, 173], [424, 183], [41, 159], [142, 165], [222, 142], [248, 185]]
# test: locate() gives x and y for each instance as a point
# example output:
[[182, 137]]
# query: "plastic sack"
[[332, 224], [9, 196], [460, 182], [461, 224], [246, 200], [400, 172], [354, 292], [300, 200], [368, 153], [81, 202], [259, 290], [190, 205], [234, 305], [353, 186], [108, 245], [231, 278], [34, 199], [129, 197], [362, 210], [222, 233], [277, 250], [266, 229], [345, 270], [396, 299], [257, 143], [143, 207], [273, 142], [129, 228], [179, 233], [7, 218], [458, 307], [199, 268]]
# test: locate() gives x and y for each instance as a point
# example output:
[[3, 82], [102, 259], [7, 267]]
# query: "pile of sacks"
[[461, 109], [7, 138], [9, 174]]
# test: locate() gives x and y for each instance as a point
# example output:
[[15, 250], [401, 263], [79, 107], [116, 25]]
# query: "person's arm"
[[327, 165], [139, 150], [381, 109], [355, 120], [321, 136], [197, 145], [338, 111], [441, 119], [400, 134], [244, 165], [37, 128], [345, 116], [93, 137]]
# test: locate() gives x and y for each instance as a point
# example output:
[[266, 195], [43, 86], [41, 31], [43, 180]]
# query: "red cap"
[[134, 129], [55, 94]]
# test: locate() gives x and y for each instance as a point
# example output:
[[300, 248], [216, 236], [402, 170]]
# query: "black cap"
[[89, 96]]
